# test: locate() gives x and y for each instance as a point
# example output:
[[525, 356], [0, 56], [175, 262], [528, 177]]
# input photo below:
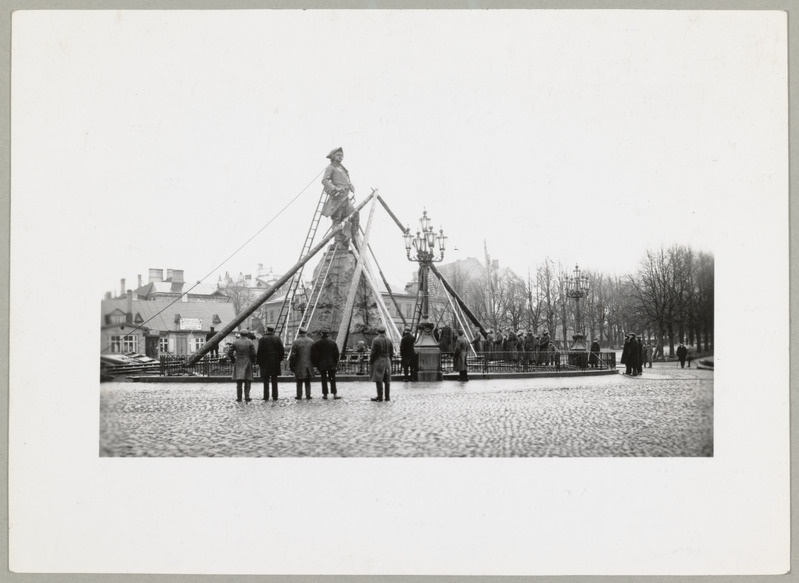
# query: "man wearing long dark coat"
[[380, 361], [325, 355], [242, 354], [270, 354], [459, 354], [625, 353], [682, 353], [633, 355], [300, 363], [593, 359], [408, 356]]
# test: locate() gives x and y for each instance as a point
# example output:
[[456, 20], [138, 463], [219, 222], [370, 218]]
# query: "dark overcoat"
[[460, 352], [380, 358], [325, 354], [594, 358], [300, 358], [242, 353], [406, 347], [270, 353]]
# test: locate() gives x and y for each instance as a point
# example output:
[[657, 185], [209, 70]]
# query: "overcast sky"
[[168, 139]]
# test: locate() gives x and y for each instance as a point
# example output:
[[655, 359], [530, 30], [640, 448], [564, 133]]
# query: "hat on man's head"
[[407, 329], [303, 330], [381, 328], [324, 331], [330, 155], [270, 328]]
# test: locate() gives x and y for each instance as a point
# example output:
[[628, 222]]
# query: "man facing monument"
[[337, 185]]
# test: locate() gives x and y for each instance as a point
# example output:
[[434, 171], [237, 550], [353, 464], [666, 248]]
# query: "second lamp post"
[[425, 252]]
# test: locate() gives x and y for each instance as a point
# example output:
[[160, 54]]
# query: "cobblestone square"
[[667, 411]]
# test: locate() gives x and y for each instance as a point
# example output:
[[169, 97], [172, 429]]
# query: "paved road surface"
[[666, 412]]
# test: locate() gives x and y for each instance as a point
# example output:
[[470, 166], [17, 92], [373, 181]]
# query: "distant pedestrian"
[[360, 351], [544, 343], [446, 339], [682, 353], [380, 361], [633, 355], [270, 354], [408, 355], [499, 341], [324, 356], [215, 348], [242, 355], [478, 341], [689, 355], [625, 354], [593, 359], [488, 345], [511, 346], [300, 363], [641, 354], [648, 350], [460, 354]]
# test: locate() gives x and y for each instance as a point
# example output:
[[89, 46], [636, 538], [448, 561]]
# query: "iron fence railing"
[[358, 364]]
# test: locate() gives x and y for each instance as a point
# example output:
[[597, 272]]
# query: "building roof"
[[165, 320], [168, 287]]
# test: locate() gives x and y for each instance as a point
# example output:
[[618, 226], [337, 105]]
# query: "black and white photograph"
[[402, 275]]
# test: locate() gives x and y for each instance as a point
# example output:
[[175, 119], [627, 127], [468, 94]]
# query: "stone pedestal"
[[333, 298], [429, 354]]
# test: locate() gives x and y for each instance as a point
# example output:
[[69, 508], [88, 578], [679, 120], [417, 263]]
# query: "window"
[[196, 343], [124, 344], [117, 319], [163, 344], [130, 344]]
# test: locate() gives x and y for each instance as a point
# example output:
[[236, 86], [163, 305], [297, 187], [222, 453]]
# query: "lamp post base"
[[429, 354], [578, 342]]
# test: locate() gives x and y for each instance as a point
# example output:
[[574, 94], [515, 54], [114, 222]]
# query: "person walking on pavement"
[[380, 361], [242, 354], [408, 354], [300, 363], [337, 185], [324, 356], [460, 353], [270, 354], [682, 353]]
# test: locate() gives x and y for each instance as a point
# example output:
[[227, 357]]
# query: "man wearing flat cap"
[[300, 363], [408, 355], [380, 360], [338, 206], [325, 355], [270, 353]]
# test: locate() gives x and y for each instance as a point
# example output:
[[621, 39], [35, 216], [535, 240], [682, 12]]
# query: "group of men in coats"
[[635, 354], [305, 355]]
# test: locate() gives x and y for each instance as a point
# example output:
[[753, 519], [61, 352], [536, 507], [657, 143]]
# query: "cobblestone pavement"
[[666, 412]]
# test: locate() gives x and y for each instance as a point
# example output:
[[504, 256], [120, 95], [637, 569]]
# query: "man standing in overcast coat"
[[324, 356], [270, 353], [408, 355], [380, 360]]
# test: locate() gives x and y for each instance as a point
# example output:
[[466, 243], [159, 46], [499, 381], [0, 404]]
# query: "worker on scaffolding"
[[338, 205]]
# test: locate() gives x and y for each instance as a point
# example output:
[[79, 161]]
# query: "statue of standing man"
[[338, 187]]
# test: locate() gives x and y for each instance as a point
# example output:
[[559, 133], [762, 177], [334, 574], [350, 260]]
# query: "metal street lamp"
[[578, 288], [426, 252]]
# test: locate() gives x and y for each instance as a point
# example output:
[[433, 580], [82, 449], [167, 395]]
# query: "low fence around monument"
[[358, 364]]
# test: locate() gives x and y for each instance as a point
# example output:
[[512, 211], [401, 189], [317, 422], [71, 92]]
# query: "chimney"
[[122, 287], [156, 275], [139, 276], [177, 275], [108, 295], [129, 311], [168, 275]]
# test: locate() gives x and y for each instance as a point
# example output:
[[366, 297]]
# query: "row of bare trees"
[[668, 299]]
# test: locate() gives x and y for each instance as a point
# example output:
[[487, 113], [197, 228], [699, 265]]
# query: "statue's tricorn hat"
[[330, 155]]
